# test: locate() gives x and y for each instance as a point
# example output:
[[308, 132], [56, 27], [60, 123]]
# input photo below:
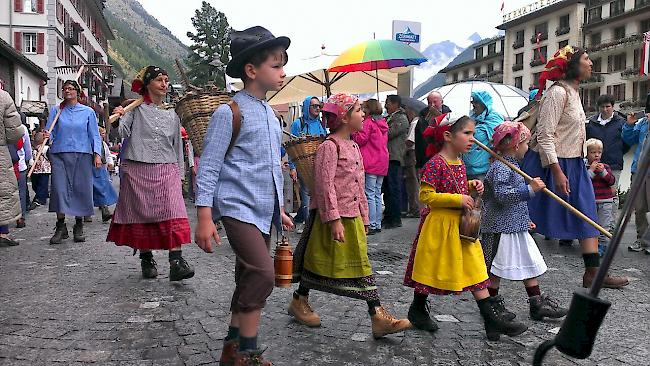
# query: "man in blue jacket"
[[635, 132], [607, 127], [307, 125], [477, 161]]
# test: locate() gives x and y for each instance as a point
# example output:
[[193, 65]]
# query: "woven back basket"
[[302, 152], [195, 110]]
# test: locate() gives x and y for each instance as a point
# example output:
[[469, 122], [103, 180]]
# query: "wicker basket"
[[302, 152], [195, 110]]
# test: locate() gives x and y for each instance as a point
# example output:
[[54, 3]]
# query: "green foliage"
[[210, 42]]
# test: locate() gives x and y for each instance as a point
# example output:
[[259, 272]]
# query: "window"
[[542, 31], [540, 54], [490, 67], [616, 62], [29, 43], [618, 91], [59, 48], [564, 21], [477, 71], [637, 56], [29, 6], [455, 77], [518, 82], [466, 75], [616, 7], [519, 39], [563, 44], [619, 32], [479, 53], [492, 48], [595, 14], [519, 59], [597, 64], [595, 39], [645, 26], [535, 81]]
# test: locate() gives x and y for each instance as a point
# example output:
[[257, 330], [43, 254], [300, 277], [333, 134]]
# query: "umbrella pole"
[[377, 80]]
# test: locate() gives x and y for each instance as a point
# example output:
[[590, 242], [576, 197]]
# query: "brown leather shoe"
[[20, 223], [303, 313], [383, 323], [610, 281], [229, 352], [251, 358]]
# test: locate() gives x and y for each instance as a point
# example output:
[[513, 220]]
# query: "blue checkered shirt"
[[245, 185]]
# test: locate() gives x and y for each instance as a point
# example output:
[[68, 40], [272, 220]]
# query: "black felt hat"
[[246, 43]]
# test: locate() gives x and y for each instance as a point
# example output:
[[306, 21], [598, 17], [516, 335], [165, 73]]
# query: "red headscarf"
[[556, 68]]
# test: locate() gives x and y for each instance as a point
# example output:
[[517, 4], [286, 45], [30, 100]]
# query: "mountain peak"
[[475, 37]]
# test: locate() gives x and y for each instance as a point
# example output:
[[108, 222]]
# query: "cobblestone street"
[[81, 303]]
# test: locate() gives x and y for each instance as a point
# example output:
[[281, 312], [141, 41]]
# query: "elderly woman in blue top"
[[75, 148], [477, 160]]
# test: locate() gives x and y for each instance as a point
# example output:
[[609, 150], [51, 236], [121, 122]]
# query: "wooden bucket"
[[470, 223], [302, 152], [283, 263]]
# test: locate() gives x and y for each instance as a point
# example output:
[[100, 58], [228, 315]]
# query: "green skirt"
[[328, 258]]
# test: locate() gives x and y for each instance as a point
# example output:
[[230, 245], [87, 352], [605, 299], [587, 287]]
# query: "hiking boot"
[[495, 323], [421, 319], [229, 352], [106, 213], [60, 233], [149, 269], [251, 358], [302, 312], [78, 233], [383, 323], [501, 307], [179, 269], [543, 306], [20, 223], [609, 282], [6, 242], [637, 246]]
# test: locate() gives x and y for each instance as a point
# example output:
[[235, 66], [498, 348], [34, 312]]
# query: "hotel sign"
[[530, 8]]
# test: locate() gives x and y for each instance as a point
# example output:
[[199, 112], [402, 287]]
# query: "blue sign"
[[407, 36]]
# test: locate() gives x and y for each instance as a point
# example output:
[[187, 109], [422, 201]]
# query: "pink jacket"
[[373, 143], [340, 181]]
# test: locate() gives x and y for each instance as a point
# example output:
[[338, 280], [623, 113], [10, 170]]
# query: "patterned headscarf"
[[556, 68], [144, 77], [516, 130], [338, 104]]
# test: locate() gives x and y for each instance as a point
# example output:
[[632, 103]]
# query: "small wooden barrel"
[[470, 223], [283, 263]]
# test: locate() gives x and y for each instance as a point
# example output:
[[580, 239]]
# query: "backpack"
[[236, 123]]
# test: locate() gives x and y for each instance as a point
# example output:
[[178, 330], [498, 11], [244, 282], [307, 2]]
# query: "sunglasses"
[[69, 88], [315, 106]]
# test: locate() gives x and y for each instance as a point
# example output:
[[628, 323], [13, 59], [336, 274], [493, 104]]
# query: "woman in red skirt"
[[150, 213]]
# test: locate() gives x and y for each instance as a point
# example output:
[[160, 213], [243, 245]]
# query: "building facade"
[[486, 63], [56, 33]]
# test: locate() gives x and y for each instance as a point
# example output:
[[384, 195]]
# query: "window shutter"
[[40, 7], [41, 89], [40, 43], [18, 41], [18, 6]]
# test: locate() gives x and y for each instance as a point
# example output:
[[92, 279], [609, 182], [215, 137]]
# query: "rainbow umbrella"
[[378, 54]]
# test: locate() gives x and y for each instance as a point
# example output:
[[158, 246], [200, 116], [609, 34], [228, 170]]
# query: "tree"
[[210, 42]]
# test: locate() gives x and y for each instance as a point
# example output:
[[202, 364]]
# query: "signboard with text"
[[407, 32]]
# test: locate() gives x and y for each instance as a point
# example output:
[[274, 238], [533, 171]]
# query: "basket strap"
[[236, 123]]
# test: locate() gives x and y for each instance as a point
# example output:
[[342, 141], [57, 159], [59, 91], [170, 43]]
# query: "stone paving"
[[81, 303]]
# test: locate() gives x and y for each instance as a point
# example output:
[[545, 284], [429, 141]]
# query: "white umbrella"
[[507, 100], [309, 77]]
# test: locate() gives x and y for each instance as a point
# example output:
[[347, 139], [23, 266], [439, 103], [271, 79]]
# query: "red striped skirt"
[[150, 212]]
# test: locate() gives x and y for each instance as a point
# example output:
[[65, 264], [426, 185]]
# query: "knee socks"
[[591, 259]]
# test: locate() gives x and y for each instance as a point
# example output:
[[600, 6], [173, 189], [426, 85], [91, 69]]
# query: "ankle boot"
[[106, 214], [543, 306], [383, 323], [179, 269], [610, 281], [251, 358], [421, 318], [60, 233], [149, 268], [229, 353], [501, 307], [302, 312], [495, 324], [78, 233]]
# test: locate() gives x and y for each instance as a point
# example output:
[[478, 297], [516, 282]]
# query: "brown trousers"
[[411, 181], [254, 272]]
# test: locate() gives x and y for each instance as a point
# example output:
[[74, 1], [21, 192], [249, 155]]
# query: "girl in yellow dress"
[[440, 263]]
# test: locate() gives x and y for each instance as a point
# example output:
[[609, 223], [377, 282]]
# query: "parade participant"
[[373, 143], [11, 131], [510, 251], [602, 179], [24, 151], [41, 175], [75, 146], [230, 188], [150, 212], [103, 193], [309, 124], [440, 264], [398, 128], [556, 156], [335, 259], [477, 160]]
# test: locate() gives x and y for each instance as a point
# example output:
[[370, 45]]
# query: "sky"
[[339, 24]]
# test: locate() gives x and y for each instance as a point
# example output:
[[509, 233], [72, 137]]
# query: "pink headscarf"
[[517, 130], [338, 104]]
